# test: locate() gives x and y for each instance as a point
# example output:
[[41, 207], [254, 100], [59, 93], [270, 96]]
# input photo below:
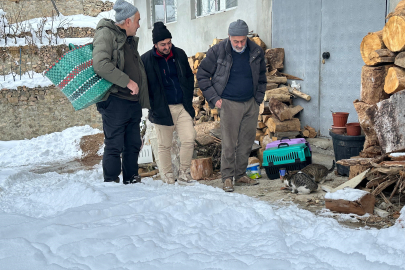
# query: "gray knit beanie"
[[238, 28], [124, 10]]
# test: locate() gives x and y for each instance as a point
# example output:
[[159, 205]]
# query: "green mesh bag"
[[74, 75]]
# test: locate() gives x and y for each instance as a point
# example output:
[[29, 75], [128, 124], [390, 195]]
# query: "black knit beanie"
[[160, 32]]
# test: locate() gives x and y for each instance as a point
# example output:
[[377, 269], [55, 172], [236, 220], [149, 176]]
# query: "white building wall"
[[196, 34]]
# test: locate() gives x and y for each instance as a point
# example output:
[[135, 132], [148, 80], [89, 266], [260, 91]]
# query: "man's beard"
[[239, 50], [163, 53]]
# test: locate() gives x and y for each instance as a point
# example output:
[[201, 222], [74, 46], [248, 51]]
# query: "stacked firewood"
[[381, 109]]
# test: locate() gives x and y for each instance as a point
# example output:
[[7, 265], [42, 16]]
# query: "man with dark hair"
[[171, 87], [232, 78], [116, 59]]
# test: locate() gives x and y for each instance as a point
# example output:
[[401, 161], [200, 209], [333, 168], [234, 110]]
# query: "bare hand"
[[133, 87], [218, 104]]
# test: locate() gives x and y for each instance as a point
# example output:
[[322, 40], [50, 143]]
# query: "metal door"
[[307, 29]]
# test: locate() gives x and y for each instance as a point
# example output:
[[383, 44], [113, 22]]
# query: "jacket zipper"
[[168, 68]]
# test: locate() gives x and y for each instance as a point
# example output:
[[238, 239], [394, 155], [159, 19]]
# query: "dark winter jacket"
[[108, 59], [160, 112], [213, 72]]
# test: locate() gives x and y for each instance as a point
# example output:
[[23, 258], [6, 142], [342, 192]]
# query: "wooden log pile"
[[382, 81]]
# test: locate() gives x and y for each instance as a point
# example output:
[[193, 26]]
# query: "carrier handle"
[[284, 138], [283, 144], [71, 46]]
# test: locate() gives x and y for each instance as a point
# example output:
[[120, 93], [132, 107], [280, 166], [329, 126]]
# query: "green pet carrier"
[[291, 157], [74, 75]]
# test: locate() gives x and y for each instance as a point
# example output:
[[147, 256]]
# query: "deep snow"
[[76, 221]]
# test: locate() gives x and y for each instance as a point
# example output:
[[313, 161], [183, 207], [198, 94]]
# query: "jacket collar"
[[171, 55]]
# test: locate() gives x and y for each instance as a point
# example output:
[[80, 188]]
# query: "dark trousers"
[[121, 119]]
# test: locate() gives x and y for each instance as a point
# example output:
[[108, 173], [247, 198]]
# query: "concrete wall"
[[196, 34]]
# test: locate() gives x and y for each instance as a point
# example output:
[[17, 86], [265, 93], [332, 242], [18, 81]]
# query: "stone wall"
[[30, 9], [30, 112]]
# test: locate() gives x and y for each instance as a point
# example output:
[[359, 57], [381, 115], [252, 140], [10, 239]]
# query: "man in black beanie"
[[171, 87]]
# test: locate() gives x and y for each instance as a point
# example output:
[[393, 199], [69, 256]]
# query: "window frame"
[[152, 10], [216, 10]]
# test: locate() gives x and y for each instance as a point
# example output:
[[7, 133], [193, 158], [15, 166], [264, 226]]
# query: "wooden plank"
[[352, 183]]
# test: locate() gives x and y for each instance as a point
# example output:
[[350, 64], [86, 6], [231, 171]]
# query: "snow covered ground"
[[76, 221]]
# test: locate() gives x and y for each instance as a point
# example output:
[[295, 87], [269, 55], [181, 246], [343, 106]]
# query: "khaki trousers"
[[183, 124], [238, 133]]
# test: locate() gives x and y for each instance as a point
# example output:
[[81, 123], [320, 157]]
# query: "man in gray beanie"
[[232, 78], [116, 59]]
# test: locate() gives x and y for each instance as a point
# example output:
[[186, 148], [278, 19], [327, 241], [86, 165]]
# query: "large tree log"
[[372, 84], [381, 56], [201, 168], [275, 58], [370, 43], [360, 207], [365, 114], [395, 80], [276, 125], [280, 94], [390, 123], [400, 60], [393, 36]]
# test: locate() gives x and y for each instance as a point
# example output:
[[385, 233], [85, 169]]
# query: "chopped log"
[[280, 94], [253, 160], [312, 132], [295, 109], [199, 56], [259, 133], [265, 118], [149, 174], [197, 64], [279, 109], [265, 140], [214, 111], [356, 170], [392, 33], [395, 80], [290, 77], [273, 79], [355, 162], [275, 58], [381, 56], [264, 108], [366, 114], [399, 10], [297, 93], [275, 125], [198, 100], [191, 62], [260, 125], [259, 42], [200, 93], [260, 118], [274, 73], [372, 84], [390, 123], [397, 156], [195, 80], [400, 60], [305, 133], [270, 86], [370, 43], [216, 41], [360, 207], [201, 168], [288, 134], [267, 132]]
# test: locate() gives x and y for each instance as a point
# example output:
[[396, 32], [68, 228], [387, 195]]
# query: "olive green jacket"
[[108, 59]]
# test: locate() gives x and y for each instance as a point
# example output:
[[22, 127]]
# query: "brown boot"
[[228, 186], [246, 181]]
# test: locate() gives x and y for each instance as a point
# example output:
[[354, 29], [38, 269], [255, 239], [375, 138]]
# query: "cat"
[[318, 172], [300, 182]]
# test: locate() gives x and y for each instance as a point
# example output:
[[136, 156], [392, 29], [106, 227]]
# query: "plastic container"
[[340, 118], [338, 130], [346, 147], [289, 141], [353, 129], [253, 171]]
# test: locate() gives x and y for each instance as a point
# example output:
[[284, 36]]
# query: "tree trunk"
[[201, 168], [393, 34], [395, 80], [365, 114], [381, 56], [275, 58], [370, 43], [372, 84]]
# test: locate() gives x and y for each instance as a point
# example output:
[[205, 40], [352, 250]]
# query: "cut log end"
[[395, 80], [393, 34]]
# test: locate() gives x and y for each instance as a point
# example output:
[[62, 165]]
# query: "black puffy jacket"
[[214, 70], [160, 112]]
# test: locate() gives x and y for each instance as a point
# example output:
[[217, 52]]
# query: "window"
[[207, 7], [164, 11]]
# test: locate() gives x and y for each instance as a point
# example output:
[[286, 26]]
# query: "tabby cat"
[[300, 182], [318, 172]]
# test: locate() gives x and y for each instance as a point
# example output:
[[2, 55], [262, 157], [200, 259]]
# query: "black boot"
[[134, 179]]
